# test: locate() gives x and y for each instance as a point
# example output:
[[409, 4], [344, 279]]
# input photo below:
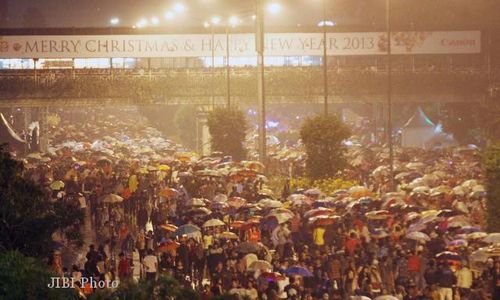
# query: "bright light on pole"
[[169, 15], [114, 21], [179, 7], [155, 20], [206, 24], [234, 21], [274, 8], [215, 20], [141, 23], [327, 23]]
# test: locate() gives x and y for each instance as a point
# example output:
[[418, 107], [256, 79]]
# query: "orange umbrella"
[[126, 193], [168, 245], [237, 224], [169, 193], [169, 227]]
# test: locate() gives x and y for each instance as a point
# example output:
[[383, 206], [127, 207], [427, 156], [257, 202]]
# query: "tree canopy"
[[228, 128], [322, 137], [28, 216]]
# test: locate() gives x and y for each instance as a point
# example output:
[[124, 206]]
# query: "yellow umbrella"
[[163, 168], [57, 185]]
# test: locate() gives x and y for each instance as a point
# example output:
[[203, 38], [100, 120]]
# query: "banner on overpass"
[[240, 45]]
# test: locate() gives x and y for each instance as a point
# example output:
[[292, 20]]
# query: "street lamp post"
[[389, 97], [325, 64], [259, 43], [228, 69], [212, 73]]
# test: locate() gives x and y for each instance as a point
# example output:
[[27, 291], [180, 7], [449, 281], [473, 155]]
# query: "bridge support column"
[[44, 129]]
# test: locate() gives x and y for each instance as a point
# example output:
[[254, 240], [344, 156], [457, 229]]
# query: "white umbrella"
[[386, 297], [418, 236], [213, 223], [492, 238], [112, 198]]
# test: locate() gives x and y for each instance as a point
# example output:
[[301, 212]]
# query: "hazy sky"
[[97, 13]]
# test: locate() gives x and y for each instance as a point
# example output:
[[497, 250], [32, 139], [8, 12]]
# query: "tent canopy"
[[419, 120], [7, 133]]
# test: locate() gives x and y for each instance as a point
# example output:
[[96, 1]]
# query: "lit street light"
[[179, 7], [142, 23], [274, 8], [114, 21], [233, 21], [169, 15], [155, 21], [215, 20]]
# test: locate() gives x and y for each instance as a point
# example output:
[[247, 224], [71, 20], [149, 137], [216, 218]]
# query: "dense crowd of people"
[[216, 226]]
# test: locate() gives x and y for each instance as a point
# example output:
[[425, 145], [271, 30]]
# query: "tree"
[[492, 168], [28, 217], [322, 137], [165, 287], [228, 128], [27, 278]]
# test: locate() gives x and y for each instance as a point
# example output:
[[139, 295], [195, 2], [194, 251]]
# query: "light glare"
[[155, 20], [169, 15], [215, 20], [179, 7], [274, 8], [114, 21], [233, 21]]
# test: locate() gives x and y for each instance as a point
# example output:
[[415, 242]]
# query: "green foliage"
[[327, 185], [27, 278], [492, 168], [164, 288], [228, 128], [322, 137], [28, 217]]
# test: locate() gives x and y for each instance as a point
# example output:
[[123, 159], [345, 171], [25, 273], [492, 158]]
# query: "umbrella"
[[218, 205], [492, 238], [35, 156], [203, 211], [57, 185], [418, 236], [476, 235], [237, 224], [360, 298], [197, 202], [169, 193], [169, 227], [297, 197], [457, 243], [236, 202], [187, 229], [163, 168], [272, 276], [448, 255], [323, 220], [322, 211], [228, 235], [298, 271], [261, 265], [249, 247], [213, 223], [249, 259], [480, 255], [378, 215], [269, 203], [220, 198], [112, 198], [280, 217], [168, 245], [312, 192], [386, 297]]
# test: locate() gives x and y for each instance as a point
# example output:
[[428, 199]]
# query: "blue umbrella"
[[299, 271], [187, 229]]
